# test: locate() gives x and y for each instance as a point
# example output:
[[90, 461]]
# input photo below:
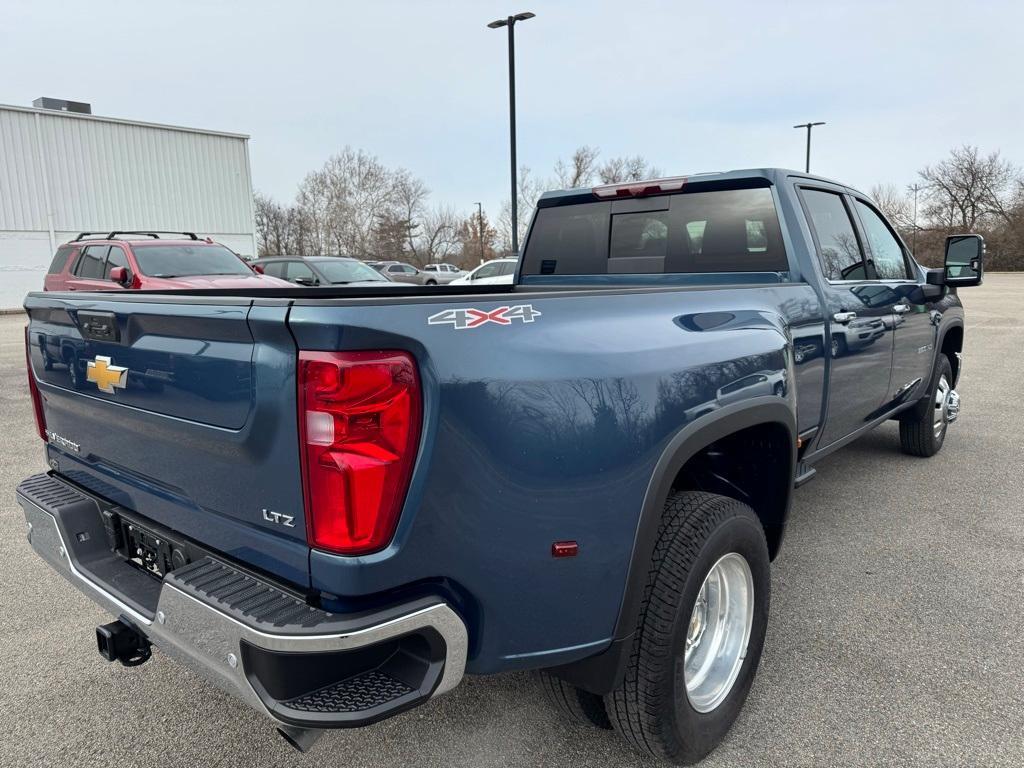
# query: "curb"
[[16, 311]]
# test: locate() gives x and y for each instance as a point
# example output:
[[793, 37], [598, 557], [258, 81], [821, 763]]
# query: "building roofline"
[[122, 121]]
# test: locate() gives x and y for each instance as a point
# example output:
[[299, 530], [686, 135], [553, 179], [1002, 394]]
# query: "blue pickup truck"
[[335, 502]]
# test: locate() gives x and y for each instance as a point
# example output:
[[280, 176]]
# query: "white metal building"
[[62, 173]]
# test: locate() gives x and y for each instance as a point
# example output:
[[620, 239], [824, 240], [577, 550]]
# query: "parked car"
[[322, 270], [406, 273], [443, 273], [495, 272], [145, 261], [336, 506]]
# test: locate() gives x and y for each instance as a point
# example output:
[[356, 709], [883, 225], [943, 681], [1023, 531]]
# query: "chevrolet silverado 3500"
[[334, 502]]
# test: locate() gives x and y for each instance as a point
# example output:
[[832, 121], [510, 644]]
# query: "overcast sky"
[[692, 86]]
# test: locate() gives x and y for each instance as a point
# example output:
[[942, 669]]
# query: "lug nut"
[[232, 660], [161, 617]]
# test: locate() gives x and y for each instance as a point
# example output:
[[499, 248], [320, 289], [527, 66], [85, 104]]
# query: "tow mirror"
[[964, 265], [121, 275]]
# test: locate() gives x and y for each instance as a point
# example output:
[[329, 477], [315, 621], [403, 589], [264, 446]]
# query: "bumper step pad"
[[358, 694], [236, 592]]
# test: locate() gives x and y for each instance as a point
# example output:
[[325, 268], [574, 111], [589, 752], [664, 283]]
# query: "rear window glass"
[[732, 230], [188, 260], [60, 259]]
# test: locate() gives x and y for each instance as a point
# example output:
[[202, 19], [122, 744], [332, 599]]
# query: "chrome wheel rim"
[[941, 415], [718, 633]]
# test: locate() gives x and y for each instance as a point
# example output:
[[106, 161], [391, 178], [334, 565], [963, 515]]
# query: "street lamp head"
[[808, 125], [511, 20]]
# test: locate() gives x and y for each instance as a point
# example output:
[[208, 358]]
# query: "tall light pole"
[[915, 188], [808, 126], [510, 22], [480, 229]]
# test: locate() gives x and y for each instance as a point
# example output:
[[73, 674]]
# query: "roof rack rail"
[[117, 233]]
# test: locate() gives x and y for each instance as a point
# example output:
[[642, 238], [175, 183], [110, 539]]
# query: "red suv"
[[142, 260]]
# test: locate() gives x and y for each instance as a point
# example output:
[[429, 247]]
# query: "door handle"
[[901, 308], [844, 317]]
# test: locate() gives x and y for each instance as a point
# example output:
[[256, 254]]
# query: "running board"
[[804, 474]]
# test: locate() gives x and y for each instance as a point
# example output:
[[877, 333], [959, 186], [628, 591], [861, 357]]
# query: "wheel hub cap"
[[718, 633], [947, 406]]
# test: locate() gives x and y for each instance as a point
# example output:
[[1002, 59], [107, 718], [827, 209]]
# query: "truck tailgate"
[[171, 408]]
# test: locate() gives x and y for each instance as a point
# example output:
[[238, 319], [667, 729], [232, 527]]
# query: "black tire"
[[839, 346], [579, 706], [431, 282], [75, 373], [651, 709], [917, 426]]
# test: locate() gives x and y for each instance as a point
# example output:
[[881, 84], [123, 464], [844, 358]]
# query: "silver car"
[[443, 273], [401, 272]]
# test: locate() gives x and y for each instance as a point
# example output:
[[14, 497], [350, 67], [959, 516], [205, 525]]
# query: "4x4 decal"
[[461, 319]]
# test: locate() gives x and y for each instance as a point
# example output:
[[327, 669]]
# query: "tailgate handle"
[[99, 326]]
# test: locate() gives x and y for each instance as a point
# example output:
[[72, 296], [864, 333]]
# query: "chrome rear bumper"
[[250, 637]]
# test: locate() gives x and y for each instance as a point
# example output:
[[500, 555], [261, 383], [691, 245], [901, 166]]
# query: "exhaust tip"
[[302, 739]]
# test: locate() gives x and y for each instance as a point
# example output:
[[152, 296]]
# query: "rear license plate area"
[[154, 551]]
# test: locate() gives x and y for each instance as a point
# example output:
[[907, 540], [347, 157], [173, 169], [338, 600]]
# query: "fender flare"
[[940, 338], [604, 672]]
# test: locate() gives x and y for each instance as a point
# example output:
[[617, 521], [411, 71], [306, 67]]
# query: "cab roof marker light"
[[640, 188]]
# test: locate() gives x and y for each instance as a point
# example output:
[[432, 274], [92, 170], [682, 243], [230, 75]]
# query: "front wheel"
[[923, 428], [700, 632], [431, 282]]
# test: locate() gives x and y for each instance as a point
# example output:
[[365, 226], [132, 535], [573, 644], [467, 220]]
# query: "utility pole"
[[510, 22], [915, 188], [480, 229], [808, 126]]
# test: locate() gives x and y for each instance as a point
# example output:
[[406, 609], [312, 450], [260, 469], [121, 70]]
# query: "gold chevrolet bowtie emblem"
[[105, 375]]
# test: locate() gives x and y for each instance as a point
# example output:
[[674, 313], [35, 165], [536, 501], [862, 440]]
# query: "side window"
[[395, 268], [487, 270], [296, 270], [116, 258], [59, 260], [507, 268], [92, 262], [885, 250], [274, 269], [408, 270], [838, 248]]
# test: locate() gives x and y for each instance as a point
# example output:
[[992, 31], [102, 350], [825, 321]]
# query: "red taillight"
[[359, 425], [640, 188], [33, 389]]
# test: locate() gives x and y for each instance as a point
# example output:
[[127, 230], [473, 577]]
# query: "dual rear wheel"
[[698, 638]]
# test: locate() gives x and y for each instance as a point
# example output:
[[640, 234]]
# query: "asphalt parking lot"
[[895, 634]]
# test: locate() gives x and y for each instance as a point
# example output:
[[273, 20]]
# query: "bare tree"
[[440, 236], [620, 169], [968, 189], [529, 190], [579, 170], [895, 205]]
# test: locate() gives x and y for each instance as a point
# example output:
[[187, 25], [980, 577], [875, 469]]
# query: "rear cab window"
[[693, 231]]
